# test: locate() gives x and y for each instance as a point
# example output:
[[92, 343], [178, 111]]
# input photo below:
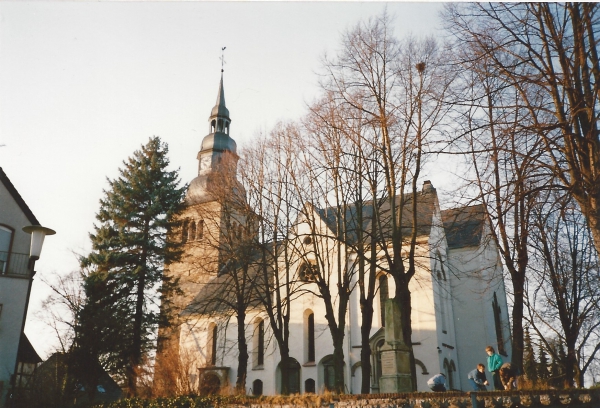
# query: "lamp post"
[[38, 233]]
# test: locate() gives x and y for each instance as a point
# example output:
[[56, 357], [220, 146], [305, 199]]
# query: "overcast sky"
[[84, 84]]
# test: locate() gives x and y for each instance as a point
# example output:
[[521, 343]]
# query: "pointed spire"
[[220, 109]]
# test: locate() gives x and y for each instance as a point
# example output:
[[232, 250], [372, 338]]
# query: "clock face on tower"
[[205, 163]]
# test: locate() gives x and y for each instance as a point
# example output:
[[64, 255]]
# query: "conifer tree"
[[124, 282], [543, 365], [529, 363]]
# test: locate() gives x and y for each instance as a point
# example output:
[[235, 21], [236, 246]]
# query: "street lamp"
[[38, 233]]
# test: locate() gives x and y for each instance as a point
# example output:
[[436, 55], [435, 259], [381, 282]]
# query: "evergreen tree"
[[543, 365], [124, 282], [529, 363]]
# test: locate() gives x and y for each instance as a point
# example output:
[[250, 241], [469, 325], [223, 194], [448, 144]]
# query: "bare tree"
[[398, 88], [60, 308], [564, 289], [548, 53], [270, 168]]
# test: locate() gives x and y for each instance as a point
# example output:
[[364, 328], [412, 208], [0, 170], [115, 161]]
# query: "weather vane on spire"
[[222, 58]]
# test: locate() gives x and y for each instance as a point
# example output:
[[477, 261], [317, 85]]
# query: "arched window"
[[327, 373], [200, 230], [309, 386], [220, 125], [383, 296], [5, 241], [213, 123], [212, 344], [192, 236], [449, 368], [293, 376], [259, 343], [185, 231], [257, 387], [310, 337], [227, 127]]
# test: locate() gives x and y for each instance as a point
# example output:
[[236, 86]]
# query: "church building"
[[459, 303]]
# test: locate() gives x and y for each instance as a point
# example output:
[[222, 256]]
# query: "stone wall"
[[576, 398]]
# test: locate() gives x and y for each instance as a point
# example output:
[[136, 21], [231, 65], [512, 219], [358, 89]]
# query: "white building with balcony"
[[16, 266]]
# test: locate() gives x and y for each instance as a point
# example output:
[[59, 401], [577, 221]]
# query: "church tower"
[[211, 225]]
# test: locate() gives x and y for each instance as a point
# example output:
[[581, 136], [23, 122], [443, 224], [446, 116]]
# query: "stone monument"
[[395, 354]]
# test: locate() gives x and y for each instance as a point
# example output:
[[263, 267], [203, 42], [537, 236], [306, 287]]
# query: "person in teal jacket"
[[494, 362]]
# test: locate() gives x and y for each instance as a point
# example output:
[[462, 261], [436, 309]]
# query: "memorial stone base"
[[395, 370]]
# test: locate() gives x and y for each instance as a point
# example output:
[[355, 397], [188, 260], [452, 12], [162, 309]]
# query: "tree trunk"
[[403, 298], [366, 308], [518, 335], [338, 361], [242, 370]]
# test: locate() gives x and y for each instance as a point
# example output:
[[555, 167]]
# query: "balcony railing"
[[14, 264]]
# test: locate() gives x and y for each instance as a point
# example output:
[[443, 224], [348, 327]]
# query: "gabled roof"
[[17, 197], [464, 226], [27, 353], [355, 214]]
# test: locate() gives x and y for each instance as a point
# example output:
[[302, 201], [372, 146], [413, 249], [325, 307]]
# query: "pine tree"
[[529, 363], [543, 365], [125, 281]]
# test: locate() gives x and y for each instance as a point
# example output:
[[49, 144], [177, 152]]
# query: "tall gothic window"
[[192, 236], [200, 230], [498, 324], [259, 343], [185, 231], [212, 344], [310, 337]]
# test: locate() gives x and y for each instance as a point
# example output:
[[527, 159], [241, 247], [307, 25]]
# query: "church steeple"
[[219, 116], [218, 152]]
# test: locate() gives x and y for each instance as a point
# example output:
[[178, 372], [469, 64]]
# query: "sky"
[[85, 84]]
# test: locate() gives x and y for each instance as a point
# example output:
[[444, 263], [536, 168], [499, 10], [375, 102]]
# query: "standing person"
[[494, 362], [437, 383], [477, 378]]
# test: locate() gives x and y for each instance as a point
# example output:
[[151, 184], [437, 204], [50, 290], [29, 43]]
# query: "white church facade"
[[459, 303]]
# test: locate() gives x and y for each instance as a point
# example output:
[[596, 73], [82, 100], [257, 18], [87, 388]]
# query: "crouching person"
[[477, 378], [508, 376], [437, 383]]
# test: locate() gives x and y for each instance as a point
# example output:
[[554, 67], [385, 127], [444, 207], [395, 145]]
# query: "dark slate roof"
[[27, 353], [17, 197], [352, 216], [464, 226]]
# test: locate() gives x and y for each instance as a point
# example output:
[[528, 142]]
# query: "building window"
[[212, 344], [259, 343], [449, 368], [257, 387], [310, 337], [307, 272], [192, 236], [309, 386], [200, 230], [383, 296], [5, 241], [498, 324], [293, 376], [185, 231]]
